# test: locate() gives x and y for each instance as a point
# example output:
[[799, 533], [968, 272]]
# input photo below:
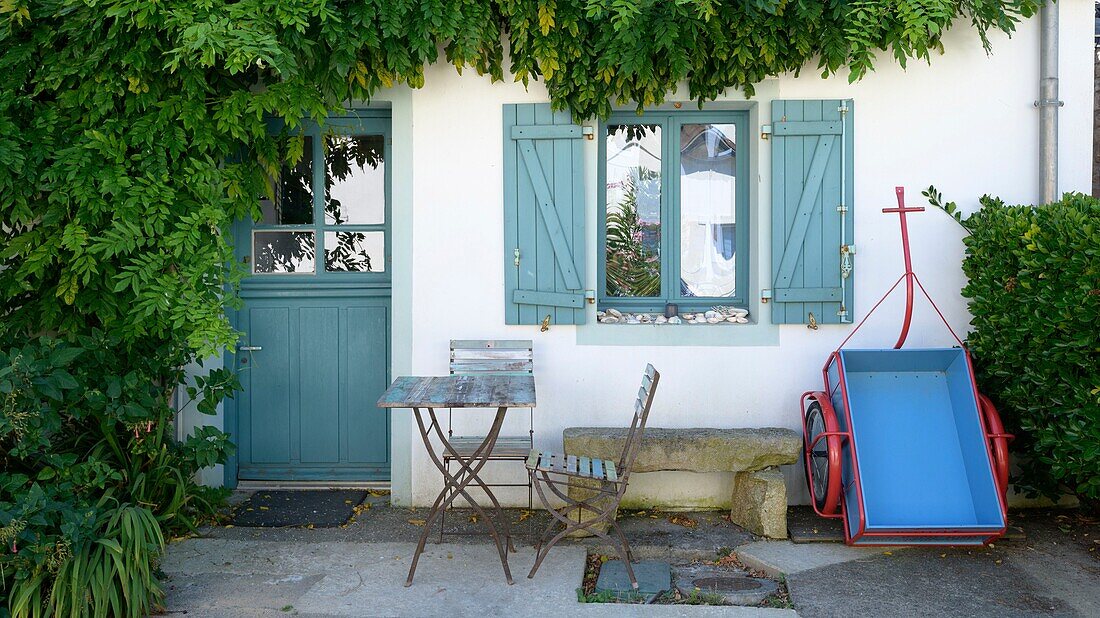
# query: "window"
[[331, 202], [673, 211]]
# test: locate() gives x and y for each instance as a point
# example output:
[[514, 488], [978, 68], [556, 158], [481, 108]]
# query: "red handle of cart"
[[909, 277]]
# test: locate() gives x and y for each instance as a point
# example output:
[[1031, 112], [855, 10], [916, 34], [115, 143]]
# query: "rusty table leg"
[[453, 486]]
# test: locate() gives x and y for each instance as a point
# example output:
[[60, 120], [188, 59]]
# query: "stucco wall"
[[966, 124]]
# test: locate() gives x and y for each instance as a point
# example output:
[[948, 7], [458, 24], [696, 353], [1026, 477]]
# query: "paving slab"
[[1055, 571], [778, 558], [653, 577], [232, 577], [919, 583]]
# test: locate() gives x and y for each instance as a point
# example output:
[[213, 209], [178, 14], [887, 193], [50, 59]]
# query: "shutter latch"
[[765, 296], [846, 253], [590, 296], [765, 131]]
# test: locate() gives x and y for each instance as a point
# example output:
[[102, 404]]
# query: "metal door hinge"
[[843, 109], [765, 131], [843, 313], [516, 253], [841, 208], [765, 296]]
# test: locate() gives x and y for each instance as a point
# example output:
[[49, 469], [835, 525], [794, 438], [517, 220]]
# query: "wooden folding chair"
[[610, 479], [491, 357]]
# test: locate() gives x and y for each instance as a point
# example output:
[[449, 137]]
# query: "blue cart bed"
[[917, 467]]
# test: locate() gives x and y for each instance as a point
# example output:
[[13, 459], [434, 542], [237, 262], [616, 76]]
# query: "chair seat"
[[507, 447], [571, 465]]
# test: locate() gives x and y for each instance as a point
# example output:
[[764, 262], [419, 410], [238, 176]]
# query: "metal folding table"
[[462, 392]]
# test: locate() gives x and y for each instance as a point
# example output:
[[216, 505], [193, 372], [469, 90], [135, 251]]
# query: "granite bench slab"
[[759, 500]]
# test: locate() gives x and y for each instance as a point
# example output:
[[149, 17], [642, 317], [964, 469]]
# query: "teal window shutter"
[[544, 224], [812, 223]]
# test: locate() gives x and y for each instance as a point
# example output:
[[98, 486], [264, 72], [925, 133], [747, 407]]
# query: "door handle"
[[250, 348]]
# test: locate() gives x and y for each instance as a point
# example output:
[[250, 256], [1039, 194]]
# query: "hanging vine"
[[117, 118]]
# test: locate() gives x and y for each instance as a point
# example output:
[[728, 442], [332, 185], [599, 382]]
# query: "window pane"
[[633, 258], [283, 252], [355, 251], [293, 203], [355, 179], [708, 190]]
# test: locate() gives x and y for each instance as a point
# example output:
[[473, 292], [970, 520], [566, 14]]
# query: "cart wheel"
[[822, 455], [998, 441]]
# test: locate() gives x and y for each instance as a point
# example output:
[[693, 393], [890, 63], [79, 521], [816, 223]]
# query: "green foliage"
[[632, 268], [1034, 290], [113, 576], [92, 477]]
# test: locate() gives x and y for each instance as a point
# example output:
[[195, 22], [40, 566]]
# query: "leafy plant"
[[92, 477], [1034, 294], [112, 576]]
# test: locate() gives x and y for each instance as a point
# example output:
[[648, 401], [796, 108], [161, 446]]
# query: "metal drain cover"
[[726, 584], [735, 586]]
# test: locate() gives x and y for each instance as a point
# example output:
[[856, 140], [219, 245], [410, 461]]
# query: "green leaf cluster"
[[91, 476], [1034, 293]]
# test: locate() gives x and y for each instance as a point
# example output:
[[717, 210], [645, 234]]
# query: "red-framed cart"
[[899, 444]]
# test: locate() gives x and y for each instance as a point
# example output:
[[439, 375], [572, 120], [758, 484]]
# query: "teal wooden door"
[[315, 323]]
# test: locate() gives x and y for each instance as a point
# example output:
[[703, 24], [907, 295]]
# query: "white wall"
[[966, 124]]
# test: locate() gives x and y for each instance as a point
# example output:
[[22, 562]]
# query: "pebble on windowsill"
[[716, 316]]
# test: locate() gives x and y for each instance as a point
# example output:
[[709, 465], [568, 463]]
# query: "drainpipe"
[[1048, 103]]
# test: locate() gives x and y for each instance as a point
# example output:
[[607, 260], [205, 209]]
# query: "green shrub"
[[1034, 293], [92, 479]]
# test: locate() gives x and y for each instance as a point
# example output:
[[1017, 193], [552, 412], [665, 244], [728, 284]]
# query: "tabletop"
[[476, 391]]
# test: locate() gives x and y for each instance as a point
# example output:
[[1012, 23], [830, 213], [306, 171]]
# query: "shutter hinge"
[[843, 109], [516, 253], [842, 208], [843, 313], [765, 131], [846, 253], [765, 296]]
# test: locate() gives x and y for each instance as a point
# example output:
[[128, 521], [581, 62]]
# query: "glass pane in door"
[[633, 240], [282, 251], [708, 201], [355, 180], [355, 252], [293, 203]]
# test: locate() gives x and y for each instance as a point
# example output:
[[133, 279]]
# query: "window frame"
[[359, 122], [670, 122]]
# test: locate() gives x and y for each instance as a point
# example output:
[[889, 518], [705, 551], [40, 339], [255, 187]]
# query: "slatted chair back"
[[637, 426], [492, 357]]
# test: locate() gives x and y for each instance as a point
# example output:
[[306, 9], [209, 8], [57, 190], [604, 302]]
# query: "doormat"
[[299, 508]]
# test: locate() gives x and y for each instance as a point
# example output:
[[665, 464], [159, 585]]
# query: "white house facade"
[[446, 215]]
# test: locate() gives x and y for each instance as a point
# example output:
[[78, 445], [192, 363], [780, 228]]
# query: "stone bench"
[[759, 500]]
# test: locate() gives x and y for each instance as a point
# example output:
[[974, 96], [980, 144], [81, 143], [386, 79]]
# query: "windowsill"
[[732, 317], [628, 332]]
